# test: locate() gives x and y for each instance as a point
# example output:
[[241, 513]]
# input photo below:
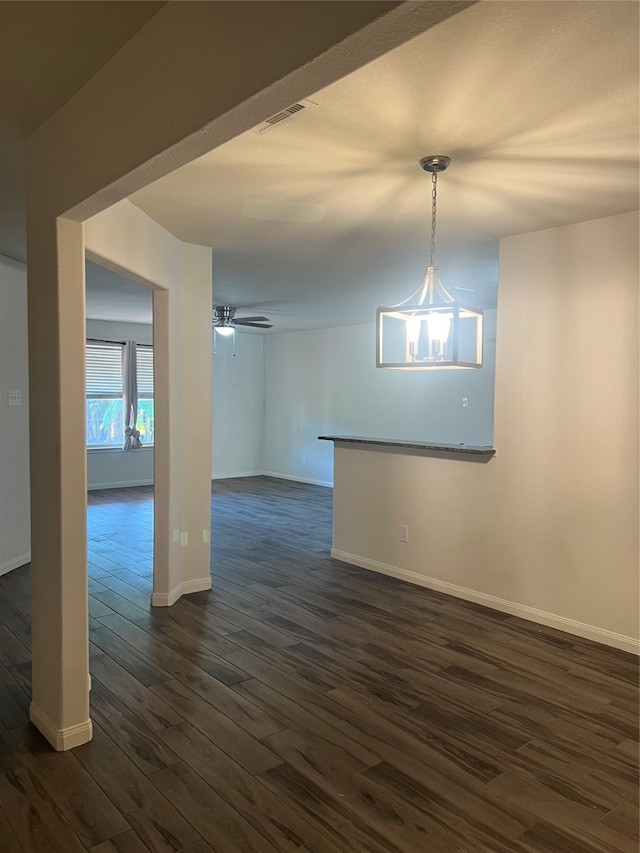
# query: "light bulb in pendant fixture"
[[439, 326], [225, 331], [413, 329]]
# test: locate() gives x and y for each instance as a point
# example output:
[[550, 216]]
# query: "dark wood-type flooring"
[[306, 705]]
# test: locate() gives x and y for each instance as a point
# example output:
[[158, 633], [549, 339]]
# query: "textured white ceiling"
[[48, 51], [325, 216]]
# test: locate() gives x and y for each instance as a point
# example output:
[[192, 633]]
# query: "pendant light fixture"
[[430, 329]]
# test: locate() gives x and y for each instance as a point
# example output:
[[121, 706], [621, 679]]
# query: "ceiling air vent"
[[284, 115]]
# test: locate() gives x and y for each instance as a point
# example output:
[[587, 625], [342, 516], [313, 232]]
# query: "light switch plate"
[[15, 398]]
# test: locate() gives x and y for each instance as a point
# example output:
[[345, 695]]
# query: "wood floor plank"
[[118, 604], [8, 840], [9, 755], [152, 816], [326, 812], [185, 613], [203, 647], [609, 778], [12, 617], [141, 702], [199, 847], [577, 821], [138, 665], [208, 812], [236, 741], [11, 649], [281, 824], [469, 816], [85, 808], [625, 819], [135, 580], [630, 748], [34, 816], [128, 842], [545, 722], [543, 838], [300, 719], [234, 705], [302, 671], [14, 702], [244, 622], [355, 717], [177, 653], [391, 818], [470, 751], [140, 744], [21, 674]]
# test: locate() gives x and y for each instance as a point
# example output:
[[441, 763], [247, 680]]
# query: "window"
[[105, 394], [144, 372], [105, 404]]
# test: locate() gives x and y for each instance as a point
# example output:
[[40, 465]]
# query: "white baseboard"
[[166, 599], [275, 474], [235, 475], [60, 739], [297, 479], [124, 484], [532, 614], [15, 563]]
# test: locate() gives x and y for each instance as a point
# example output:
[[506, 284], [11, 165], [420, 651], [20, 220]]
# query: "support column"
[[167, 551], [60, 643], [182, 391], [194, 418]]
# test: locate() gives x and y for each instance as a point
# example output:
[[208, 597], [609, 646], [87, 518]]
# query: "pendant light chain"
[[434, 191]]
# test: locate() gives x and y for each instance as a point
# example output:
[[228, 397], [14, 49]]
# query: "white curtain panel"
[[130, 376]]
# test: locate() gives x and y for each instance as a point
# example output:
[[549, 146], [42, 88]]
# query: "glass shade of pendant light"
[[430, 329], [224, 330]]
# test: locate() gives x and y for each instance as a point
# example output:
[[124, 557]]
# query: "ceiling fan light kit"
[[430, 329], [224, 330]]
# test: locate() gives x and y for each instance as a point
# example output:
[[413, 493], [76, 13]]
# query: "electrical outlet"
[[304, 460], [184, 538], [465, 402], [404, 532]]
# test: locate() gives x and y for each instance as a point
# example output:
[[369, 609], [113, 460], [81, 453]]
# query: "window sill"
[[118, 449]]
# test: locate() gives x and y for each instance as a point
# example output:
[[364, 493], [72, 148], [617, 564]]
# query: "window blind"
[[144, 357], [104, 370]]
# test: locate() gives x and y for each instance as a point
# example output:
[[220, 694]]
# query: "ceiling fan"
[[224, 320]]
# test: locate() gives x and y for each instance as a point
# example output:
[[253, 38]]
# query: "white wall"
[[325, 382], [548, 529], [14, 420], [238, 405], [129, 242], [109, 330], [108, 469]]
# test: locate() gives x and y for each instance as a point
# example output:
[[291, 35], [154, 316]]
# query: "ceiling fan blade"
[[251, 320], [255, 325]]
